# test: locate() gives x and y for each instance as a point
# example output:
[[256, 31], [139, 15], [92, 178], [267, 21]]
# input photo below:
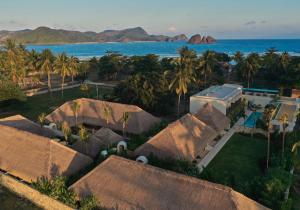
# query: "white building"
[[222, 97], [290, 110]]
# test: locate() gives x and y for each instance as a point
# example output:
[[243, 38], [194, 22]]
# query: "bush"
[[56, 189], [89, 203]]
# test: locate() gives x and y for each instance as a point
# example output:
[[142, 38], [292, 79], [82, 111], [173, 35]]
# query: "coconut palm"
[[284, 123], [46, 66], [250, 67], [180, 84], [238, 57], [184, 75], [42, 119], [73, 67], [207, 63], [268, 115], [125, 119], [75, 108], [61, 66], [107, 111], [66, 130], [84, 136]]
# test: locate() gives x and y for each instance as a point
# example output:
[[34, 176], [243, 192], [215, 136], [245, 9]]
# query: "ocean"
[[169, 49]]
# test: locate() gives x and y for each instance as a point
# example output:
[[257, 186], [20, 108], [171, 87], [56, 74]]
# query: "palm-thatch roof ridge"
[[91, 113], [30, 156], [186, 138], [124, 184], [21, 123], [103, 138], [213, 117]]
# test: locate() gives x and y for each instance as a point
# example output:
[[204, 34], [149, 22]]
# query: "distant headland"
[[45, 35]]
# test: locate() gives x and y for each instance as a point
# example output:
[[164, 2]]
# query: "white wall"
[[258, 100]]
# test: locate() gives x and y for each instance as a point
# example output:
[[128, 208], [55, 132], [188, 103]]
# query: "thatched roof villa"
[[21, 123], [29, 156], [213, 117], [124, 184], [91, 113], [102, 139], [187, 138]]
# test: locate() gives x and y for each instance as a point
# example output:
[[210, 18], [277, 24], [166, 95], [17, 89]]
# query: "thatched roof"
[[124, 184], [213, 117], [21, 123], [29, 156], [103, 138], [186, 138], [91, 112]]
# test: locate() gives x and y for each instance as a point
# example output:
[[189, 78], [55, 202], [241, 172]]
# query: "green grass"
[[239, 160], [36, 105]]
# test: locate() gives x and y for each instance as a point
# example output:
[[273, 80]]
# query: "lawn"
[[238, 161], [36, 105]]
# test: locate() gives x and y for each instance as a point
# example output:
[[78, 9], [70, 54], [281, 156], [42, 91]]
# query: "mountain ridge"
[[46, 35]]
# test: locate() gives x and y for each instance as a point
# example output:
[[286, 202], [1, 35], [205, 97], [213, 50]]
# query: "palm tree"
[[207, 63], [268, 115], [107, 111], [250, 66], [180, 84], [41, 119], [73, 67], [46, 66], [75, 108], [125, 119], [238, 57], [61, 66], [184, 73], [66, 130], [84, 136], [284, 122]]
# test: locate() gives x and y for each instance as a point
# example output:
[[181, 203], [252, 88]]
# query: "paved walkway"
[[206, 160]]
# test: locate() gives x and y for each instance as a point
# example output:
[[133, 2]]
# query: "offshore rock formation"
[[197, 39]]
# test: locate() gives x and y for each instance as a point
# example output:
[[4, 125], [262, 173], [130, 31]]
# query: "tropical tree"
[[84, 136], [61, 66], [75, 108], [184, 75], [14, 61], [207, 63], [66, 130], [284, 123], [42, 119], [268, 115], [46, 66], [125, 119], [107, 111], [250, 67], [73, 67]]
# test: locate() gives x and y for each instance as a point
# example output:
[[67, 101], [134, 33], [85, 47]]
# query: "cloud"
[[252, 22], [172, 29], [263, 21]]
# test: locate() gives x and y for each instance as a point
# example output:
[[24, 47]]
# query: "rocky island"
[[197, 39]]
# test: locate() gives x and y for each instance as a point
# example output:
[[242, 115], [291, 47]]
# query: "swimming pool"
[[251, 120]]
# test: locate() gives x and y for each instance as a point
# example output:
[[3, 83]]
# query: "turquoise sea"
[[169, 49]]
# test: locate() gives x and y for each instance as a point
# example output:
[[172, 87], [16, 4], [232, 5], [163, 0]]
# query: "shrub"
[[89, 203], [57, 189]]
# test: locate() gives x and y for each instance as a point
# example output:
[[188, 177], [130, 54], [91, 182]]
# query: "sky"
[[223, 19]]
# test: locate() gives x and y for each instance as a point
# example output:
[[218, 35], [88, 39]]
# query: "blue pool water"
[[251, 120], [169, 49]]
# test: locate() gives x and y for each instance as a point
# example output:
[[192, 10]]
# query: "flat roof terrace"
[[220, 92]]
